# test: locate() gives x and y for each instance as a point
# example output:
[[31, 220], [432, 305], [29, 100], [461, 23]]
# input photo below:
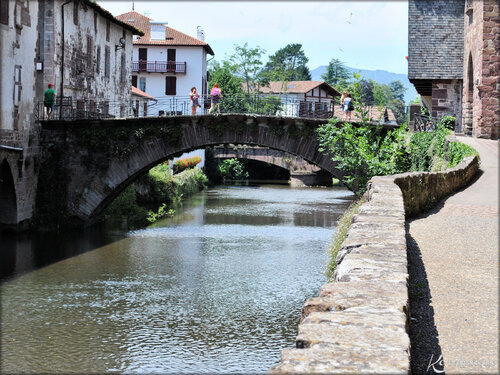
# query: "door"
[[143, 59], [171, 60]]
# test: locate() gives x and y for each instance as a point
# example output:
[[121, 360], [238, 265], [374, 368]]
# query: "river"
[[217, 288]]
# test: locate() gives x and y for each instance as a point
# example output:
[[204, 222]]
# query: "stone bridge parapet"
[[360, 322]]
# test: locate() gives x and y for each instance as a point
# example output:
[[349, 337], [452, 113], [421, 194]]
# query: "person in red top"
[[215, 95]]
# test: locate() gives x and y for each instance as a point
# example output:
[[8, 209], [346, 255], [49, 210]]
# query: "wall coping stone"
[[360, 322]]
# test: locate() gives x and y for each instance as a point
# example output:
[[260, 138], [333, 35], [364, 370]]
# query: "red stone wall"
[[481, 105], [489, 88]]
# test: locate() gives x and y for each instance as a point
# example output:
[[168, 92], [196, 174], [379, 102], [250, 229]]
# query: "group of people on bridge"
[[215, 97]]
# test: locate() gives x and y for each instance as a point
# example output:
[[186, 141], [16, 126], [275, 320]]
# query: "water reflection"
[[216, 288]]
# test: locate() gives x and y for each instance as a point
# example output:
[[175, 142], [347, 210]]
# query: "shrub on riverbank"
[[157, 187], [364, 151]]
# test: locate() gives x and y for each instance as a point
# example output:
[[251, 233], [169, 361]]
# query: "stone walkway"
[[453, 254]]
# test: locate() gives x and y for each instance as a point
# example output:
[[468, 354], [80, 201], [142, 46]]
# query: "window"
[[17, 85], [95, 22], [90, 50], [107, 56], [108, 29], [142, 84], [98, 60], [170, 85], [134, 81], [123, 69], [75, 12], [470, 15], [4, 12]]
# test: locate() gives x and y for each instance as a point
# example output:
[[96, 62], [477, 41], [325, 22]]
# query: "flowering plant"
[[186, 163]]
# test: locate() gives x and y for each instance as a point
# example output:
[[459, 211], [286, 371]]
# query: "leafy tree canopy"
[[289, 63], [246, 63], [225, 76], [336, 73]]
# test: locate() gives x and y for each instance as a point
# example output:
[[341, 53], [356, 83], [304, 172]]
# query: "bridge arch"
[[99, 159], [8, 197]]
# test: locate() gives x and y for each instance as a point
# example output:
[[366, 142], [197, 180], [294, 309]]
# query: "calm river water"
[[217, 288]]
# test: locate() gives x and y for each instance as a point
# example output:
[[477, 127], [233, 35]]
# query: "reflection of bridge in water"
[[302, 173]]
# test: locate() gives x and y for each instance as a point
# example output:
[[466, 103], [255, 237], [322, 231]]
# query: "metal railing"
[[159, 66], [424, 123], [284, 106]]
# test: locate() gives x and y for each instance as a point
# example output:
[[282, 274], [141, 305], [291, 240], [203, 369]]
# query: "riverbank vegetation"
[[340, 235], [154, 195], [363, 150]]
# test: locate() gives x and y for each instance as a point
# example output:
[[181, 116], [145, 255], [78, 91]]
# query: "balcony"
[[159, 66]]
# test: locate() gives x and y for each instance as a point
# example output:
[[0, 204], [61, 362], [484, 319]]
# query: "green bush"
[[448, 122], [457, 151], [364, 151], [232, 169]]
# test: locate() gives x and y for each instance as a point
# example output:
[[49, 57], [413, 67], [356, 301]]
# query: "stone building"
[[453, 61], [75, 45]]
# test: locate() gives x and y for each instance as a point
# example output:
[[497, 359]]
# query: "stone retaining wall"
[[360, 322]]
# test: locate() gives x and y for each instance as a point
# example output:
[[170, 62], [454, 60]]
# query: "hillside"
[[380, 76]]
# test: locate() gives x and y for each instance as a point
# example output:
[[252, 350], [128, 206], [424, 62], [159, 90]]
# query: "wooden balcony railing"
[[159, 66]]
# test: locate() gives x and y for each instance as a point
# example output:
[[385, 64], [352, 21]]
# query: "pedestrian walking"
[[194, 97], [49, 99], [215, 96], [348, 107]]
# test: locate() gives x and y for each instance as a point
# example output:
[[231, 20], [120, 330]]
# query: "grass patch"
[[343, 225]]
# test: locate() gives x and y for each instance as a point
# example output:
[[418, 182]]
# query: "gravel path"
[[453, 256]]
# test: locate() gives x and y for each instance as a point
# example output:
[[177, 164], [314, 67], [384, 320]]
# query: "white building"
[[166, 63], [303, 98]]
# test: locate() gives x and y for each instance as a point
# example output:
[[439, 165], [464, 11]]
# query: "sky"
[[362, 34]]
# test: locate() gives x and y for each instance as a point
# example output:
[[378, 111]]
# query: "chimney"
[[158, 30], [200, 34]]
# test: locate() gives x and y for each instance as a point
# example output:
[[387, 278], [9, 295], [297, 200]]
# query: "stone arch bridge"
[[85, 164], [302, 173]]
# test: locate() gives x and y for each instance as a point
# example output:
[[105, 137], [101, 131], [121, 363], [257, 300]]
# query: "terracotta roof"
[[172, 37], [297, 87], [137, 92], [103, 12]]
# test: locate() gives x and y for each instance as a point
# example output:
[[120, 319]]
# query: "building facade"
[[84, 52], [303, 98], [166, 63], [453, 61]]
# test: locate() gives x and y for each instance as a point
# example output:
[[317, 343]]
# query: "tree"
[[398, 90], [289, 62], [246, 63], [224, 75], [336, 73], [366, 92], [382, 94]]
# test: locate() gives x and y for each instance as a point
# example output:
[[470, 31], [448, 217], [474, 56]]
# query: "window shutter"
[[170, 85], [134, 81], [4, 12]]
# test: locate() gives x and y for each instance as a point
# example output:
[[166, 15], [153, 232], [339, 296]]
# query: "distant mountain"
[[380, 76]]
